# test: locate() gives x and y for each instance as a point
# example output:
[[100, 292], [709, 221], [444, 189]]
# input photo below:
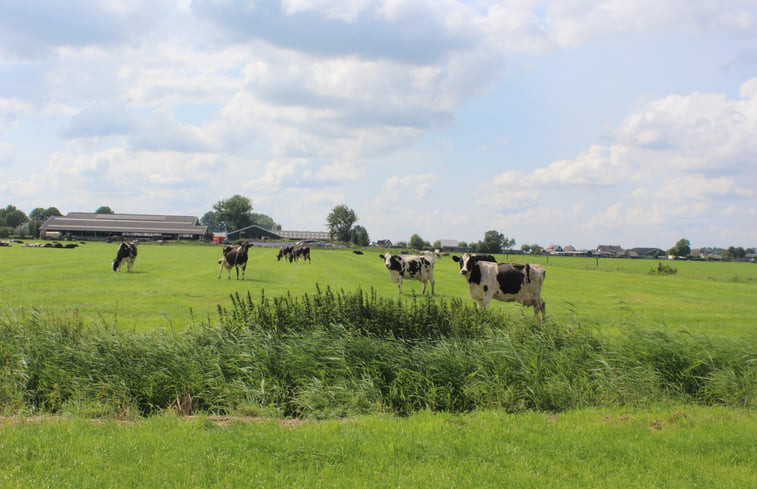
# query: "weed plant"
[[336, 354]]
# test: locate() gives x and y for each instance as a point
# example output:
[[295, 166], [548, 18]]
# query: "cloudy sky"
[[571, 122]]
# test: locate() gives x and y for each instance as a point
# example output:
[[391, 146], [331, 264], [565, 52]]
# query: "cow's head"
[[391, 262], [468, 262], [465, 262]]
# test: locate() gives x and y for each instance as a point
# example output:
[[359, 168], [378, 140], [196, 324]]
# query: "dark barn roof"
[[86, 224], [252, 232]]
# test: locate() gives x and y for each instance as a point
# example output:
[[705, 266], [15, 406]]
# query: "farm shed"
[[258, 232], [87, 225], [645, 253], [252, 232]]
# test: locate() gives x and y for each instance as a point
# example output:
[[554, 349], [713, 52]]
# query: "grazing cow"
[[503, 282], [301, 252], [412, 267], [284, 252], [294, 253], [127, 252], [234, 256]]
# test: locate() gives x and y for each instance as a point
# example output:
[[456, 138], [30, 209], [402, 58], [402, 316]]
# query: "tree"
[[734, 253], [340, 222], [681, 248], [416, 242], [493, 242], [359, 236], [39, 216], [104, 210], [235, 212], [263, 221], [210, 219], [12, 217]]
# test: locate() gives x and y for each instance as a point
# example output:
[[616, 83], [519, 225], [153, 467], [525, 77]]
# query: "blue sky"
[[568, 122]]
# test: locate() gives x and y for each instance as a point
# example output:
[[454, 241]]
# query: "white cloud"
[[575, 22], [305, 104], [411, 187]]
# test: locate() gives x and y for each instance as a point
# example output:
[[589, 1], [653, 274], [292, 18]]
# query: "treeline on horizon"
[[337, 354], [236, 212]]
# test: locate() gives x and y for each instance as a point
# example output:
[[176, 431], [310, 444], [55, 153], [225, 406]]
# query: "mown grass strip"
[[672, 446]]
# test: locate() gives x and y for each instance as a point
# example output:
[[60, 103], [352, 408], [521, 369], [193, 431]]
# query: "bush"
[[663, 270]]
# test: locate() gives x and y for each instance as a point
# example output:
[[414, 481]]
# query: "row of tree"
[[236, 213]]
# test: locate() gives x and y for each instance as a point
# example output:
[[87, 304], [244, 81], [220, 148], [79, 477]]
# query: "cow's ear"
[[382, 257], [456, 258]]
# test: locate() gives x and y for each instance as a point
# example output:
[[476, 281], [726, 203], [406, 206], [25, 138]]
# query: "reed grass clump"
[[336, 354]]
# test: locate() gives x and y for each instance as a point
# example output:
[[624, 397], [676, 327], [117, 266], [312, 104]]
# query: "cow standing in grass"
[[411, 267], [506, 282], [294, 253], [234, 256], [127, 253]]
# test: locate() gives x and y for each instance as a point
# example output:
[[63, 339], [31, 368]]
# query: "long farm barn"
[[92, 226]]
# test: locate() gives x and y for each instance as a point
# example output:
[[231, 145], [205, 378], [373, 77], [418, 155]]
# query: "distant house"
[[609, 251], [645, 253], [89, 225], [384, 243]]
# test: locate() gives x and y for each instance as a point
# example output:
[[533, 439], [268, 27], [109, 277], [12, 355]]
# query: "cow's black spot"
[[414, 267], [395, 263], [510, 278], [474, 274]]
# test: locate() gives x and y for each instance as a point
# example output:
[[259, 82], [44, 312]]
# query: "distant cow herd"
[[486, 279]]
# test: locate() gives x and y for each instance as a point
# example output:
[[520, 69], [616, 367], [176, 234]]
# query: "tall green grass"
[[334, 354]]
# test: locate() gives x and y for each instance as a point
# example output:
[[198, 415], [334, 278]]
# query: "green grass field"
[[176, 284], [665, 442], [662, 446]]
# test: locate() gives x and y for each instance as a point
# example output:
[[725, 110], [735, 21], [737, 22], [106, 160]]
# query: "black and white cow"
[[127, 253], [294, 253], [234, 256], [506, 282], [412, 267]]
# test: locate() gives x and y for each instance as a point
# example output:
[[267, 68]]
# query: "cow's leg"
[[244, 269], [542, 308], [433, 283], [220, 270], [399, 285], [423, 290]]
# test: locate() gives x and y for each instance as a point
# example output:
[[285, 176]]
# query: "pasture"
[[175, 285], [606, 393]]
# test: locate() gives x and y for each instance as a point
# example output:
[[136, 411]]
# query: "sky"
[[566, 122]]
